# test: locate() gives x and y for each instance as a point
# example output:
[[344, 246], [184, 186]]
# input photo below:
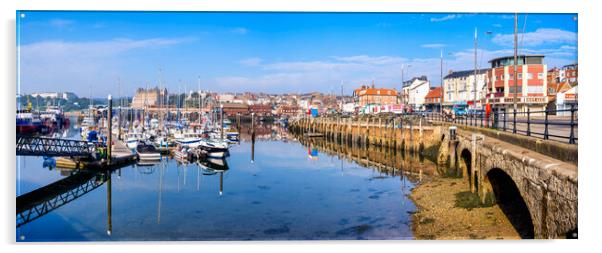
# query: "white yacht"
[[189, 139], [133, 139]]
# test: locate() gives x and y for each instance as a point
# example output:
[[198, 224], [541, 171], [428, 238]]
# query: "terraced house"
[[459, 87]]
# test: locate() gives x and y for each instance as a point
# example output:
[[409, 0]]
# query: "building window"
[[534, 89], [529, 76], [520, 75], [511, 89], [539, 75]]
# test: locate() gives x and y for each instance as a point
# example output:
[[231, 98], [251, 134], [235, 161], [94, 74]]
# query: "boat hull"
[[132, 144], [149, 156], [216, 154]]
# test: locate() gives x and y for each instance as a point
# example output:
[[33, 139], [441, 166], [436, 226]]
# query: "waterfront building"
[[348, 108], [232, 109], [260, 109], [561, 80], [226, 98], [432, 100], [374, 96], [414, 91], [63, 95], [532, 83], [460, 87], [149, 98], [566, 97], [288, 110], [570, 73]]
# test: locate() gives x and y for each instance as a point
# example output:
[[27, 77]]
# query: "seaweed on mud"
[[470, 200]]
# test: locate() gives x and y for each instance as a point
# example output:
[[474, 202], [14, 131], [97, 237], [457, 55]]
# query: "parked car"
[[459, 110], [475, 112]]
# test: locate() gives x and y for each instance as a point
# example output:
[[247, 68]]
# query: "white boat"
[[191, 140], [215, 149], [148, 152], [132, 140], [154, 123], [182, 154], [162, 141], [232, 135]]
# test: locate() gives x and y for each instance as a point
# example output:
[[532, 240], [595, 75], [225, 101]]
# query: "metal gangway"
[[44, 146], [42, 201]]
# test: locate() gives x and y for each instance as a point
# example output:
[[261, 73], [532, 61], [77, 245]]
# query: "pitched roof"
[[376, 91], [434, 93], [464, 73]]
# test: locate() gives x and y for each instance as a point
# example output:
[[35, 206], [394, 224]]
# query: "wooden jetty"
[[121, 155]]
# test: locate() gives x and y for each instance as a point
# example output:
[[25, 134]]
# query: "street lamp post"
[[441, 99], [515, 77], [474, 88]]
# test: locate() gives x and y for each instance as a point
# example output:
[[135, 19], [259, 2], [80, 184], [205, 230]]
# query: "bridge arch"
[[466, 166], [507, 195]]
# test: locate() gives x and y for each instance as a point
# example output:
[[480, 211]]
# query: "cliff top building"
[[149, 98]]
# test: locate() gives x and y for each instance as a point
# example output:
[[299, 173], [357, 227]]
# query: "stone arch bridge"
[[533, 181], [538, 193]]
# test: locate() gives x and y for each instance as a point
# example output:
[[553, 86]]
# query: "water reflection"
[[348, 193], [388, 161]]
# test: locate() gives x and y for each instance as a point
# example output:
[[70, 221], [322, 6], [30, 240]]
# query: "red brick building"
[[231, 109], [261, 110], [374, 96], [288, 110], [532, 82]]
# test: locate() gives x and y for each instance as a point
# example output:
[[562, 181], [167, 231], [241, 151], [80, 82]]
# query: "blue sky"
[[87, 52]]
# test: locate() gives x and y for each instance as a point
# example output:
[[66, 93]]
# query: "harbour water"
[[289, 191]]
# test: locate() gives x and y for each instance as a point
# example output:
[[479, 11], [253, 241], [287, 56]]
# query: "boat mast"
[[144, 107], [198, 92], [178, 104], [161, 101], [185, 106]]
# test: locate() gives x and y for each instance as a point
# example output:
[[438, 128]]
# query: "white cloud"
[[60, 23], [567, 47], [240, 30], [327, 73], [323, 74], [67, 65], [251, 61], [99, 25], [434, 45], [445, 18], [538, 37], [365, 59]]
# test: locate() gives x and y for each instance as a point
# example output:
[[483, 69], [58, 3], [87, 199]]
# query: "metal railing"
[[547, 124], [43, 146]]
